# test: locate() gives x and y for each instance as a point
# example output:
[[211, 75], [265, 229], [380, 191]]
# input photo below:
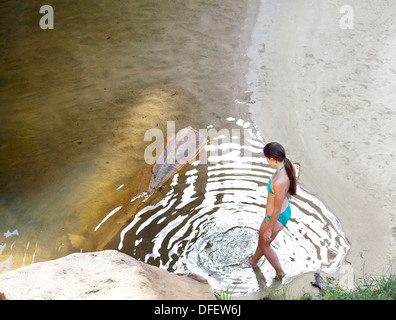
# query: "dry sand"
[[329, 96]]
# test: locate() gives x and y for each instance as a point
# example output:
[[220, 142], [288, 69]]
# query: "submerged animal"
[[180, 150]]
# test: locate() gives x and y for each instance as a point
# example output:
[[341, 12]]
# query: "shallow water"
[[207, 221], [75, 104]]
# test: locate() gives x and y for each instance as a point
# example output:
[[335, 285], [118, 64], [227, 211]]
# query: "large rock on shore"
[[101, 275]]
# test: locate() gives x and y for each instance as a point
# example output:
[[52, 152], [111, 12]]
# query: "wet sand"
[[328, 94]]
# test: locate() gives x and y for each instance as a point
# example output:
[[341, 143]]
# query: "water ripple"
[[208, 222]]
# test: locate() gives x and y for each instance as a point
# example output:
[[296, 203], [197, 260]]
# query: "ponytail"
[[291, 172], [276, 151]]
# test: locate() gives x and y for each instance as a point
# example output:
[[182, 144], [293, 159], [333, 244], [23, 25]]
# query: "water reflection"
[[208, 219]]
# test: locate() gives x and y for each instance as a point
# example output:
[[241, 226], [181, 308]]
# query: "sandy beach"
[[328, 94]]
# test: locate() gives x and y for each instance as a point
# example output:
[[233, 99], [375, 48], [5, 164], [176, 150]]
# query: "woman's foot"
[[253, 264], [280, 275]]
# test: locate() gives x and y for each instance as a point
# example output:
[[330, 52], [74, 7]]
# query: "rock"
[[106, 274], [320, 283]]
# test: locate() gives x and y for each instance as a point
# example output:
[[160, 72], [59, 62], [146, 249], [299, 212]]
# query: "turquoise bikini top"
[[269, 182]]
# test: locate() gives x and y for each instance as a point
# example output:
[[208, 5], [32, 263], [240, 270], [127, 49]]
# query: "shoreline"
[[195, 64], [307, 93]]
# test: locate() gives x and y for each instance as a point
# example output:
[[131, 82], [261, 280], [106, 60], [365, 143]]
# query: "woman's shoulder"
[[281, 181], [281, 178]]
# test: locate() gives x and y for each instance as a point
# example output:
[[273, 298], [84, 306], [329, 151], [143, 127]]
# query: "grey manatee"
[[181, 149]]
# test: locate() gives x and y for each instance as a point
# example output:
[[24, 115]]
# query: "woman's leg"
[[264, 248], [270, 253], [258, 253]]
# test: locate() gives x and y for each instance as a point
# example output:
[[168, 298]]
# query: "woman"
[[280, 188]]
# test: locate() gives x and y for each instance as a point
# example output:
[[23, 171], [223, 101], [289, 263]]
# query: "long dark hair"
[[276, 151]]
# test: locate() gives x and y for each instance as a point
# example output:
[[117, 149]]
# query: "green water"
[[77, 100]]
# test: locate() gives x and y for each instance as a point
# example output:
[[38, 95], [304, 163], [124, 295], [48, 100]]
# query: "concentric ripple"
[[208, 221]]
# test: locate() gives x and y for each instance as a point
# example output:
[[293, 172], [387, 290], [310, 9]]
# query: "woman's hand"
[[267, 234]]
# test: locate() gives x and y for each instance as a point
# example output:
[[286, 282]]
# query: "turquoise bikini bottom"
[[283, 217]]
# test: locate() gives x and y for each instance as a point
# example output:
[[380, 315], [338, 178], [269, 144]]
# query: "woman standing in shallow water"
[[281, 187]]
